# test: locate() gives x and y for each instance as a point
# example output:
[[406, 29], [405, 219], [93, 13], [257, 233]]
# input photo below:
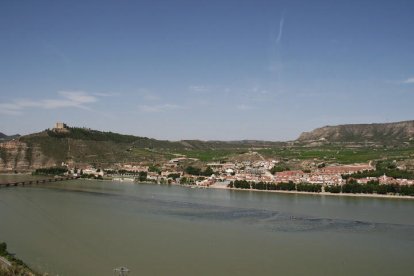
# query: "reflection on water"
[[90, 227]]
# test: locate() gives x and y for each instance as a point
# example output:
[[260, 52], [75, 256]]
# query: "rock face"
[[386, 132], [17, 155]]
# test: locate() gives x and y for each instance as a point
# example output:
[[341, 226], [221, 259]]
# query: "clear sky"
[[205, 69]]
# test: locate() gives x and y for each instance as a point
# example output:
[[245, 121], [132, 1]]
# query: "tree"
[[193, 170], [174, 175], [142, 176], [208, 172], [3, 248], [279, 168]]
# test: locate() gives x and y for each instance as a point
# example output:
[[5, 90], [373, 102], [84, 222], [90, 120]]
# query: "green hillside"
[[86, 146], [81, 145]]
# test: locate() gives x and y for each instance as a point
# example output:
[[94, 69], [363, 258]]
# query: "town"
[[261, 175]]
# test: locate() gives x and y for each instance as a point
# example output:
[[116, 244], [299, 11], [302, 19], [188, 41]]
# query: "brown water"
[[90, 227], [7, 178]]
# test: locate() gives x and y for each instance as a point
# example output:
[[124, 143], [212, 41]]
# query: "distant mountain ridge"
[[4, 137], [82, 146], [377, 132]]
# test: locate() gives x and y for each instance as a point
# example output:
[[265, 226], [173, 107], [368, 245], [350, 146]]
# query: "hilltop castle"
[[60, 127]]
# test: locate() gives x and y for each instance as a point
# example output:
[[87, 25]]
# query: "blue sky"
[[205, 69]]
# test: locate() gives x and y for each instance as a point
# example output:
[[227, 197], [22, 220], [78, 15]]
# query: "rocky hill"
[[81, 146], [86, 146], [385, 133]]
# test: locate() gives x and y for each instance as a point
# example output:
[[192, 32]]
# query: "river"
[[88, 227]]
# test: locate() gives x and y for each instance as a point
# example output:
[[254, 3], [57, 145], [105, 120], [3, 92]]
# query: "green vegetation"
[[383, 167], [142, 176], [4, 155], [333, 189], [92, 176], [88, 134], [305, 187], [279, 168], [396, 173], [352, 187], [51, 147], [197, 171], [193, 170], [174, 175], [50, 171], [153, 168], [373, 187], [289, 186], [96, 147], [340, 154], [18, 266], [106, 148], [211, 154]]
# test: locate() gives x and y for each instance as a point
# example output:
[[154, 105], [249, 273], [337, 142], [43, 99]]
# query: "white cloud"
[[100, 94], [409, 81], [244, 107], [151, 97], [76, 99], [197, 88], [158, 107], [281, 23]]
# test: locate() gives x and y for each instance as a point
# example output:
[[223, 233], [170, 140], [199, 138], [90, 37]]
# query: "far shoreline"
[[315, 193], [360, 195]]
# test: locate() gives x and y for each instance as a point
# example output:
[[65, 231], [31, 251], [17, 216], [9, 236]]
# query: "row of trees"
[[371, 188], [395, 173], [352, 187], [85, 175], [50, 171], [382, 167], [289, 186]]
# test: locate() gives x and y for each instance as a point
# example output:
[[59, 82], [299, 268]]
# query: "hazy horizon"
[[215, 70]]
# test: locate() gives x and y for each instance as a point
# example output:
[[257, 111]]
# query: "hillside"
[[385, 133], [80, 146], [4, 137], [86, 146]]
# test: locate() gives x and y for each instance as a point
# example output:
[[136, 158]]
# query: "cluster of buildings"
[[331, 175], [252, 171], [387, 180]]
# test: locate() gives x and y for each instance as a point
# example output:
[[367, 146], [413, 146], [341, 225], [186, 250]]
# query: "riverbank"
[[215, 186], [10, 265]]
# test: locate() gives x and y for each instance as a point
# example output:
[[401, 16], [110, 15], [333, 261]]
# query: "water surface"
[[90, 227]]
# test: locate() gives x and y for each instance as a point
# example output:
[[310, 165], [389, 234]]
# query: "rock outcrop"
[[17, 155], [377, 133]]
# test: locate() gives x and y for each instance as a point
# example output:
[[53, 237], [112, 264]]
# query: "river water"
[[91, 227]]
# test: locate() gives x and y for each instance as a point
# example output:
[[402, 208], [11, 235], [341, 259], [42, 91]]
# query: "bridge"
[[37, 181]]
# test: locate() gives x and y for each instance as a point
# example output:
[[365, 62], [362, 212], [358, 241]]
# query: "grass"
[[210, 155], [339, 154]]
